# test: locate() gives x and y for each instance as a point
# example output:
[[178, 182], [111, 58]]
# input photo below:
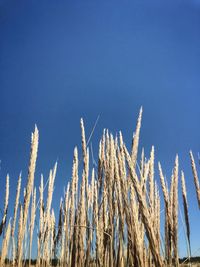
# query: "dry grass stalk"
[[151, 180], [109, 188], [85, 157], [101, 160], [65, 239], [168, 218], [175, 212], [5, 210], [32, 223], [144, 212], [73, 202], [163, 184], [90, 212], [81, 222], [52, 235], [112, 221], [136, 229], [14, 218], [85, 192], [185, 206], [29, 187], [31, 172], [52, 176], [142, 162], [16, 205], [135, 143], [20, 238], [46, 220], [195, 175], [144, 178], [127, 211], [157, 215], [5, 245], [40, 237], [60, 232], [96, 222]]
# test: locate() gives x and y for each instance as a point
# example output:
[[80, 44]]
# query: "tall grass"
[[110, 215]]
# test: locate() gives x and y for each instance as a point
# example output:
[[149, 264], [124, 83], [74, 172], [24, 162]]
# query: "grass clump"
[[109, 215]]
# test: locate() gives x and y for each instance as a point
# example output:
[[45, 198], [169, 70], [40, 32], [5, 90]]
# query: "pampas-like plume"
[[46, 227], [16, 205], [31, 172], [52, 176], [196, 179], [74, 200], [185, 206], [142, 162], [175, 211], [144, 212], [168, 217], [29, 187], [135, 141], [163, 185], [81, 222], [157, 214], [111, 219], [151, 179], [85, 158]]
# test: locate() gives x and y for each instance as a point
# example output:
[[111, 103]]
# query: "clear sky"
[[67, 59]]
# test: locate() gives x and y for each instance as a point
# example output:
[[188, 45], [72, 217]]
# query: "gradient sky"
[[63, 60]]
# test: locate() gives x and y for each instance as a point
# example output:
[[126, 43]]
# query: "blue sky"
[[63, 60]]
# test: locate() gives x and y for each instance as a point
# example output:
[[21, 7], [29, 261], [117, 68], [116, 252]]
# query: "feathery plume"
[[195, 175]]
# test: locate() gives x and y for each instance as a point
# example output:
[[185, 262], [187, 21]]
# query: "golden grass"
[[109, 215]]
